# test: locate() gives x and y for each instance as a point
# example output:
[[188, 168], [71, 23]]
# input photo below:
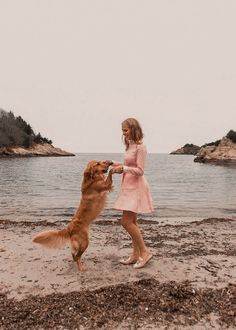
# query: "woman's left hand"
[[117, 169]]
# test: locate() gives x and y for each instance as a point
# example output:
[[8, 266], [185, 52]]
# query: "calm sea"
[[36, 189]]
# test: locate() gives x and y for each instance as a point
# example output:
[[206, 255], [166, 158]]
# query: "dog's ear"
[[89, 172]]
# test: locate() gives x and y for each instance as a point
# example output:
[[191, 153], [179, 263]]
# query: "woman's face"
[[126, 131]]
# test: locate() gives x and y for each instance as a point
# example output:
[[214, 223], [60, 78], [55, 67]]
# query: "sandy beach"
[[189, 284]]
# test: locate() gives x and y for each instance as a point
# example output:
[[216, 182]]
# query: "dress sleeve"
[[141, 158]]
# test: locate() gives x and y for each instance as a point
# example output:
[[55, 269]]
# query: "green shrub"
[[216, 143], [232, 136], [190, 145]]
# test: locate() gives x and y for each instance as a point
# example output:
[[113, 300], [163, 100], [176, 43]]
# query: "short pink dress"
[[134, 194]]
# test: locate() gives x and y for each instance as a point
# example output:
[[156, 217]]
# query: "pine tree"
[[15, 131]]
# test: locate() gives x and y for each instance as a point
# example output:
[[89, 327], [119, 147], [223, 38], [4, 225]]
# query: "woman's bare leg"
[[129, 222]]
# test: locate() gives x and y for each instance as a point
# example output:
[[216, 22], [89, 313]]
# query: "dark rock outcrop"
[[187, 149], [35, 150]]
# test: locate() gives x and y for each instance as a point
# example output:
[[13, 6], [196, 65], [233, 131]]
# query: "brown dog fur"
[[94, 190]]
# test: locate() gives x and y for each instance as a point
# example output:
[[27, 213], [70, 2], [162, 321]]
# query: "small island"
[[187, 149], [17, 139], [219, 152]]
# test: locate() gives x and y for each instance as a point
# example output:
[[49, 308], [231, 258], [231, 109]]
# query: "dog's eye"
[[98, 163]]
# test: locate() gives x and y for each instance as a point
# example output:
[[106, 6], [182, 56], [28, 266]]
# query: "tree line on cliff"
[[230, 135], [15, 131]]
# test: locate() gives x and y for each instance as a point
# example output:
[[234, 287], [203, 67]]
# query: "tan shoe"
[[142, 261], [131, 260]]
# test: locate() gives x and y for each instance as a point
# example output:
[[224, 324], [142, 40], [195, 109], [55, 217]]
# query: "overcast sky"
[[75, 69]]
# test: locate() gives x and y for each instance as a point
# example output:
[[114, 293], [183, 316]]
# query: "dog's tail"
[[54, 239]]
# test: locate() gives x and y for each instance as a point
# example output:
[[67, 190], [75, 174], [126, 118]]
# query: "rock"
[[187, 149], [223, 153], [35, 150]]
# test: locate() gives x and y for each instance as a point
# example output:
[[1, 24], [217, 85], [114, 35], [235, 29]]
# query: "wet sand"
[[189, 284]]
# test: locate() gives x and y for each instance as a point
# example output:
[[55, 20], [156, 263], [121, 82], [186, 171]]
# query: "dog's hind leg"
[[78, 246]]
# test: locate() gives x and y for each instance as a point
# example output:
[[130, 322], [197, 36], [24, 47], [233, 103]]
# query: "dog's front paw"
[[109, 162]]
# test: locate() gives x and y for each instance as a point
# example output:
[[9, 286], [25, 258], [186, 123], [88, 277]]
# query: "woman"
[[134, 195]]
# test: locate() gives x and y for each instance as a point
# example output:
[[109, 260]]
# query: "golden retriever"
[[94, 190]]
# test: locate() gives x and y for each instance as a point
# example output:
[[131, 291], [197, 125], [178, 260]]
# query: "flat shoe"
[[142, 262], [129, 261]]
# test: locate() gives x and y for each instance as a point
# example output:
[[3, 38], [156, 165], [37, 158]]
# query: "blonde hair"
[[136, 133]]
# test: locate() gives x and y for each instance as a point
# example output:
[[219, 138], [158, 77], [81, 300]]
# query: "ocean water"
[[48, 188]]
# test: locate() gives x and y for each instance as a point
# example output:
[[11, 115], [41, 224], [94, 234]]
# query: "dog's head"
[[96, 167]]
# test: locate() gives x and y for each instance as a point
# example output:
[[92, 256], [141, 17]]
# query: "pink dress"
[[134, 194]]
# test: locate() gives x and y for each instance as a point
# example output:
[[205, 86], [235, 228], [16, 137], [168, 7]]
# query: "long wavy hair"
[[136, 133]]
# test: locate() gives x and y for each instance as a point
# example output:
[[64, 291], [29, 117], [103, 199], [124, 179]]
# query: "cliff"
[[187, 149], [223, 153], [35, 150], [18, 139]]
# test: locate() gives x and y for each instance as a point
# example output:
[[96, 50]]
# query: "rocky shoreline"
[[35, 150], [224, 153], [190, 283], [221, 152], [144, 304]]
